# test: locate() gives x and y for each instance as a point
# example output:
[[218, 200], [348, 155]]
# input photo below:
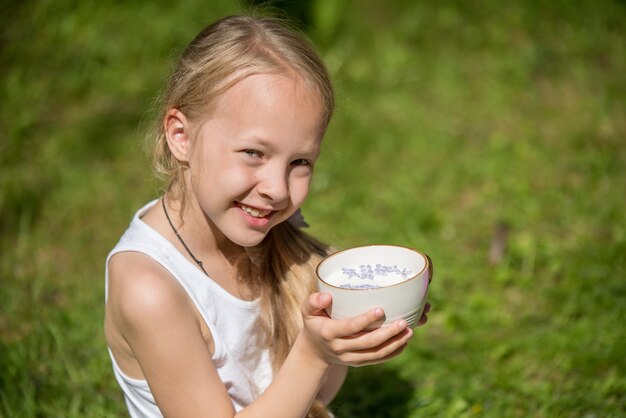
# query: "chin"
[[249, 240]]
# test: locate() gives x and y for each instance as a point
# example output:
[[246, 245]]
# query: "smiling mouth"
[[256, 213]]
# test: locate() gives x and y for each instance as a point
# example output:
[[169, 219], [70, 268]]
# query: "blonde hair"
[[223, 54], [281, 268]]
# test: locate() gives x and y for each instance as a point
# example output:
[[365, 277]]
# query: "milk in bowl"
[[369, 276]]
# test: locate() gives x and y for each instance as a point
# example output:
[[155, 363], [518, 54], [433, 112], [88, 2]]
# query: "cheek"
[[238, 177], [300, 190], [224, 174]]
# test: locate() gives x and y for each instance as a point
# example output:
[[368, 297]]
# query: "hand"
[[424, 317], [346, 341]]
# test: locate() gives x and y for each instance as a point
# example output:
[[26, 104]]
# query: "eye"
[[252, 153], [301, 162]]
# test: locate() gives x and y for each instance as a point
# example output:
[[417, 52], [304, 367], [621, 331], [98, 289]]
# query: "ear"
[[178, 134]]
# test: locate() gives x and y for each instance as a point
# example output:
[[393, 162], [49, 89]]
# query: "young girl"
[[211, 308]]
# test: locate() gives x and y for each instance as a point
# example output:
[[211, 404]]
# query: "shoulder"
[[141, 291]]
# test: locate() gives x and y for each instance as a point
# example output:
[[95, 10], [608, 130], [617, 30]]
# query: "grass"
[[453, 119]]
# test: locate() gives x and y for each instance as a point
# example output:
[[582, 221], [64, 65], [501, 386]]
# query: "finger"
[[382, 353], [316, 303], [424, 318], [339, 328], [432, 269], [388, 357], [388, 346], [371, 340]]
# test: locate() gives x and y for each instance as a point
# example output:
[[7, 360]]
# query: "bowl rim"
[[428, 263]]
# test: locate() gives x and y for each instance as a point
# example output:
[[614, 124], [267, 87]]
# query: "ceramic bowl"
[[390, 277]]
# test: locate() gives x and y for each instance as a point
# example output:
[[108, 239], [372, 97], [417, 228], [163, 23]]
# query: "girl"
[[210, 304]]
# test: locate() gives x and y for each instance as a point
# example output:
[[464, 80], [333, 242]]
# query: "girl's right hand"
[[346, 341]]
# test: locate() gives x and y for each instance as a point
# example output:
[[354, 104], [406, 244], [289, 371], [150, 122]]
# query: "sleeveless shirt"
[[240, 358]]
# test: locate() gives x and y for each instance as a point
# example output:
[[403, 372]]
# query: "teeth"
[[255, 212]]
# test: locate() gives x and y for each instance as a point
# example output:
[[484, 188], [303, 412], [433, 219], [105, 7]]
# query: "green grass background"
[[453, 117]]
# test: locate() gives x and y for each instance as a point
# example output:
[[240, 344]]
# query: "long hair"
[[223, 54], [281, 268]]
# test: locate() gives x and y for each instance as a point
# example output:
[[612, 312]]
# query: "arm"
[[157, 320], [333, 382], [324, 344], [338, 372]]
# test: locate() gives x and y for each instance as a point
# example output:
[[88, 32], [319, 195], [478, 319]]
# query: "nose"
[[273, 184]]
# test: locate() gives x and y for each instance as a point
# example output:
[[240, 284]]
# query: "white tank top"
[[242, 365]]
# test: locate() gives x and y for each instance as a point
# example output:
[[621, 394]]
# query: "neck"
[[200, 235]]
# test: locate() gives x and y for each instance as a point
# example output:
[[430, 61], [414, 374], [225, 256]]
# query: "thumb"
[[316, 303]]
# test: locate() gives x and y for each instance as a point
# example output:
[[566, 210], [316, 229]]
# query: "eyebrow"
[[270, 146], [255, 141], [263, 142]]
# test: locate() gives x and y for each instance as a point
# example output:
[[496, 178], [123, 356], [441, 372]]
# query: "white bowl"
[[390, 277]]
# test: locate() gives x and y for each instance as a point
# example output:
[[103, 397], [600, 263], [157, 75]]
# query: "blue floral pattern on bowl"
[[365, 275]]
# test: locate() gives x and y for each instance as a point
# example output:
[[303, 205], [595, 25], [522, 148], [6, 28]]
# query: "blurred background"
[[489, 134]]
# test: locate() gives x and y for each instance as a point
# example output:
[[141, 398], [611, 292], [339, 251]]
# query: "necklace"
[[198, 262]]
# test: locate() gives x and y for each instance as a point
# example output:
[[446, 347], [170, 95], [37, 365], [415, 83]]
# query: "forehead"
[[271, 105], [268, 89]]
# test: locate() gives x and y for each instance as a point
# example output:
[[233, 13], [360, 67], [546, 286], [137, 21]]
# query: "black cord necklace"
[[198, 262]]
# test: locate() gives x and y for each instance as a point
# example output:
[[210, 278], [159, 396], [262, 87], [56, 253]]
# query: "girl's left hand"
[[348, 341], [424, 317]]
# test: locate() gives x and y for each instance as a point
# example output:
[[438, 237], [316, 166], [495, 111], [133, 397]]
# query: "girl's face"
[[252, 161]]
